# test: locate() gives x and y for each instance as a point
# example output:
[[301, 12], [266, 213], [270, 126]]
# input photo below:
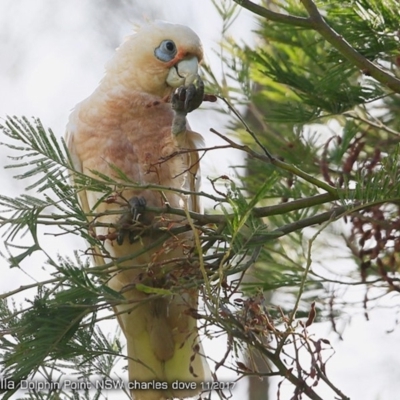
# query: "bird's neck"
[[128, 80], [119, 99]]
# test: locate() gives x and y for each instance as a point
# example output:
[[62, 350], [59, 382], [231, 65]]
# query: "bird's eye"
[[170, 46], [166, 51]]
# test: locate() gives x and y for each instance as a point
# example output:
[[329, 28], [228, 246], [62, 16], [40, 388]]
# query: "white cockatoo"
[[135, 122]]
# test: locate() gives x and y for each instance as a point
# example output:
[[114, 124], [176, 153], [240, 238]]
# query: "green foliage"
[[373, 28], [313, 104], [57, 329], [321, 136]]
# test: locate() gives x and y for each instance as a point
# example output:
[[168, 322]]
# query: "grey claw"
[[181, 93], [187, 99], [194, 95], [120, 237], [132, 237], [190, 93], [137, 206]]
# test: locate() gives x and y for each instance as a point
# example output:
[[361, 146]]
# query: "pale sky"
[[52, 56]]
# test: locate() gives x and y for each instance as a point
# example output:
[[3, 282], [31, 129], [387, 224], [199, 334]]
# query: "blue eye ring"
[[166, 51]]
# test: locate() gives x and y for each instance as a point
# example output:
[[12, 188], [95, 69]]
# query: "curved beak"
[[183, 73]]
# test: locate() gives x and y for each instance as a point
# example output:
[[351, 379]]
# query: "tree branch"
[[317, 23], [303, 223], [274, 16], [330, 35], [203, 219]]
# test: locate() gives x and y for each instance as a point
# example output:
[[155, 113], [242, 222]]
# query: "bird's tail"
[[164, 350]]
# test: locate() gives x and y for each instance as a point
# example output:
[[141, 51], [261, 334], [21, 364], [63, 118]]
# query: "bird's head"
[[158, 58]]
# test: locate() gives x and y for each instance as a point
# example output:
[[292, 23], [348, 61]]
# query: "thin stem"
[[27, 287], [306, 271], [280, 164], [247, 128]]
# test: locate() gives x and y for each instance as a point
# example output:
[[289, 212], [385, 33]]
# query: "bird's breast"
[[131, 133]]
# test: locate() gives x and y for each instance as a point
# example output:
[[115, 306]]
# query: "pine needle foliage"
[[313, 99], [320, 133]]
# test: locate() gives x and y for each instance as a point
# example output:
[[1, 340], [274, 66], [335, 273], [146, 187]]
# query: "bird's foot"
[[187, 99], [129, 224], [137, 206], [184, 101]]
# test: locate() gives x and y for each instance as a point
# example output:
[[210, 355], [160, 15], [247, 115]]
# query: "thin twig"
[[246, 127], [280, 164]]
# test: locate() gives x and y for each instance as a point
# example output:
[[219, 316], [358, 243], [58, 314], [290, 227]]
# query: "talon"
[[120, 237], [137, 206], [187, 99], [132, 237], [190, 94], [181, 93]]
